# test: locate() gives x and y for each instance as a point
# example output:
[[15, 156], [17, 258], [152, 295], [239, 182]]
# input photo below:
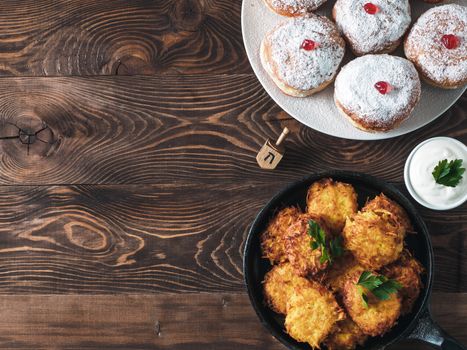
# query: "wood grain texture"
[[173, 181], [125, 199], [166, 129], [111, 239], [87, 37], [207, 321], [153, 238]]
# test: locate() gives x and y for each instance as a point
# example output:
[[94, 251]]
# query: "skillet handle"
[[428, 331]]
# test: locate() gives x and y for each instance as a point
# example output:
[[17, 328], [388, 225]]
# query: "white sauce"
[[422, 164]]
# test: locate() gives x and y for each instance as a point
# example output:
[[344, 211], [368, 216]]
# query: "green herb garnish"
[[328, 253], [448, 173], [380, 286]]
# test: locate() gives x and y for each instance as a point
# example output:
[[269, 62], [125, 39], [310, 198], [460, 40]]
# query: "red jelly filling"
[[451, 41], [309, 45], [383, 87], [370, 8]]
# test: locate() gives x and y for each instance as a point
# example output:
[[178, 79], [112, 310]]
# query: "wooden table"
[[129, 180]]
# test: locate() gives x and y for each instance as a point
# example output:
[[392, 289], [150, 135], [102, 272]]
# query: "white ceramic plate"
[[318, 111]]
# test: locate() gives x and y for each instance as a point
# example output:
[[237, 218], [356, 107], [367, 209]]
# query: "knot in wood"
[[135, 64], [26, 134], [27, 137], [187, 15]]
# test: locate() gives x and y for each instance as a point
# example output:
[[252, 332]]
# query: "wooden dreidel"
[[271, 154]]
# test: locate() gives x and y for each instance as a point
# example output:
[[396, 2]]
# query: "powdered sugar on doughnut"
[[369, 33], [355, 88], [299, 68], [297, 6], [425, 49]]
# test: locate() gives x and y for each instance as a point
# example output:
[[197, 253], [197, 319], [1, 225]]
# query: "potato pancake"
[[303, 258], [333, 201], [341, 270], [406, 271], [273, 239], [383, 202], [279, 284], [346, 337], [380, 315], [374, 238], [312, 314]]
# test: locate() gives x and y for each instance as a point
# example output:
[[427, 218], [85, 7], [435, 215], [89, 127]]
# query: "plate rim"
[[371, 136]]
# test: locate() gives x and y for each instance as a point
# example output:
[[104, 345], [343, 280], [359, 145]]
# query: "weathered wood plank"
[[208, 321], [176, 135], [146, 146], [153, 238], [107, 37], [165, 129], [123, 239]]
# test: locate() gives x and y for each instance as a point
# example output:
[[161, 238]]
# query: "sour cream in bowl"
[[419, 178]]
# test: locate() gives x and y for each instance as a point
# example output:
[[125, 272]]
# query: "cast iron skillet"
[[417, 325]]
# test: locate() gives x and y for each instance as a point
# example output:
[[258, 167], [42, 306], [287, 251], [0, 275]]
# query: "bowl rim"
[[408, 183]]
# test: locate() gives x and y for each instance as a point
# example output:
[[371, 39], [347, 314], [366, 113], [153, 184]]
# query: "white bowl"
[[410, 188]]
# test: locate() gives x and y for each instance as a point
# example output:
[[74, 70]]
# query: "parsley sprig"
[[448, 173], [328, 251], [380, 286]]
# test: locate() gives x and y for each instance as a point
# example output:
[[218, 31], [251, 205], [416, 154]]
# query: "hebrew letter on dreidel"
[[270, 155]]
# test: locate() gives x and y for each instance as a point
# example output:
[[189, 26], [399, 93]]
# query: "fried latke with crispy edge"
[[279, 284], [375, 238], [383, 202], [346, 336], [272, 239], [406, 271], [333, 201], [379, 317], [340, 271], [298, 246], [312, 314]]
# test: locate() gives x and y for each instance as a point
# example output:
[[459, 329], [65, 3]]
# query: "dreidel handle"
[[282, 136]]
